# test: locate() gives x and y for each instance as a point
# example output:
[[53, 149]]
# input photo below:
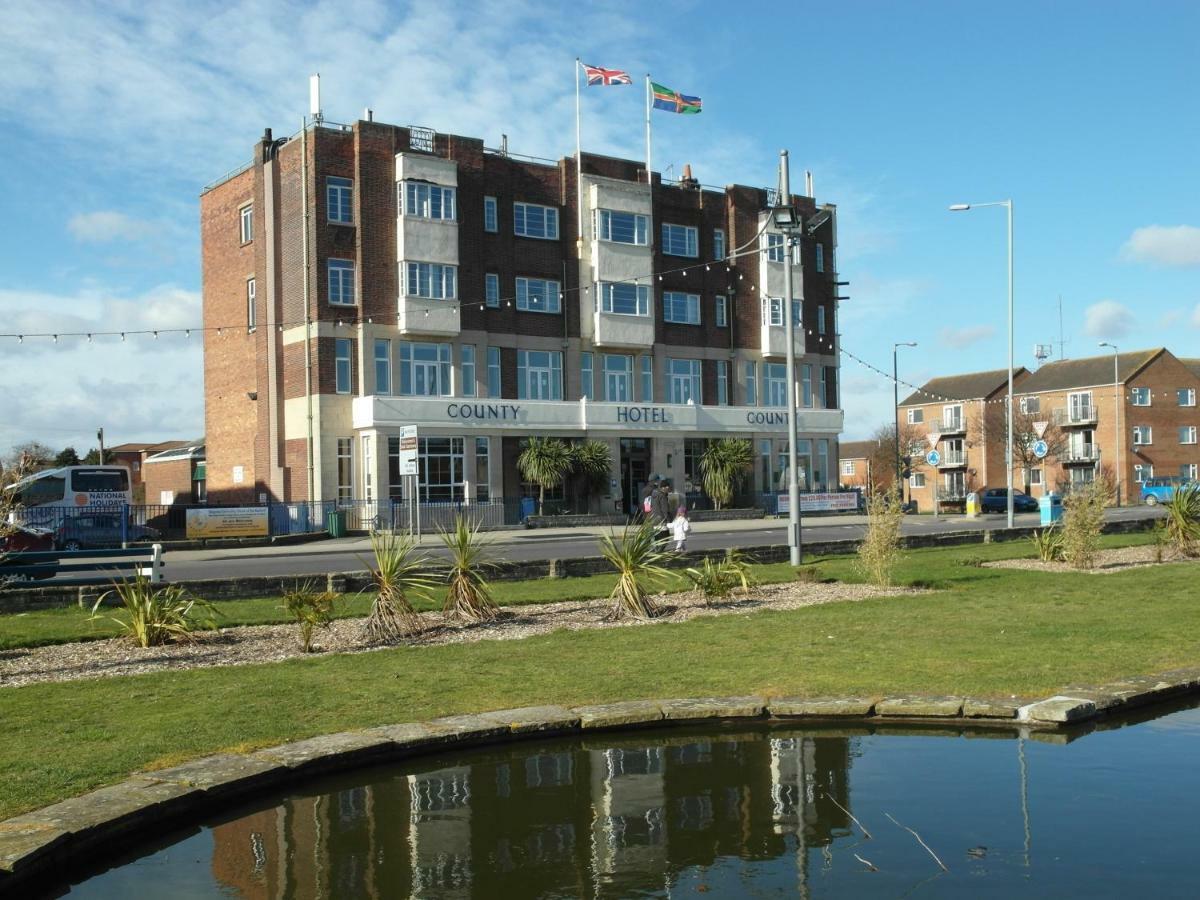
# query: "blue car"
[[995, 500], [1159, 490]]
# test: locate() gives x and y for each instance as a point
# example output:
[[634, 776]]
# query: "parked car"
[[1161, 489], [996, 500], [26, 539], [98, 530]]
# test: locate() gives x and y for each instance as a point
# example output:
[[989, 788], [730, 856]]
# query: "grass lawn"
[[988, 633]]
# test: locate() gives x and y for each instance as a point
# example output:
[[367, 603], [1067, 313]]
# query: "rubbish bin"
[[335, 523], [972, 505], [1051, 508], [528, 507]]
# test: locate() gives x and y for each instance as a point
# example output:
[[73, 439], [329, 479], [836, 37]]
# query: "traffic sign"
[[933, 437], [1040, 449], [408, 450], [933, 457], [1039, 428]]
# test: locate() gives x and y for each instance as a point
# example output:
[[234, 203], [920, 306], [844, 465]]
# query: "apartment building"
[[365, 277], [957, 416], [864, 464]]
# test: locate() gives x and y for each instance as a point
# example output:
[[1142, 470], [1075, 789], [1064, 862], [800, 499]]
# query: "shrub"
[[638, 561], [468, 594], [545, 462], [807, 574], [880, 548], [1182, 522], [156, 615], [972, 562], [1048, 543], [310, 610], [717, 579], [739, 569], [1083, 518], [399, 574], [724, 466]]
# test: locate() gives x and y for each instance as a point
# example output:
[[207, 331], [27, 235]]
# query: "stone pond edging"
[[46, 841]]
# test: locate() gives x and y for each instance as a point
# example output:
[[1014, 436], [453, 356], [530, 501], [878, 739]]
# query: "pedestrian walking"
[[645, 501], [660, 508], [680, 528]]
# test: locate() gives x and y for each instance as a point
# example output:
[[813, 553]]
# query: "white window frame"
[[430, 281], [721, 311], [345, 452], [722, 382], [820, 257], [341, 283], [1188, 431], [915, 416], [916, 480], [958, 422], [467, 367], [441, 366], [383, 365], [617, 377], [1084, 402], [491, 290], [750, 382], [1185, 396], [680, 240], [339, 200], [246, 223], [848, 467], [685, 381], [718, 244], [551, 295], [495, 380], [806, 389], [1142, 472], [491, 214], [1025, 403], [639, 226], [436, 202], [773, 247], [343, 369], [772, 312], [1188, 471], [1140, 396], [1036, 476], [251, 309], [522, 222], [646, 378], [542, 381], [587, 375], [774, 385], [641, 299], [1138, 431], [671, 306], [820, 319]]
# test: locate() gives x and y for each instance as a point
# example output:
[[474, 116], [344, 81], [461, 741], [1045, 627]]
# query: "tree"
[[34, 455], [68, 457], [723, 467], [545, 462], [92, 458], [882, 458], [991, 429], [592, 462]]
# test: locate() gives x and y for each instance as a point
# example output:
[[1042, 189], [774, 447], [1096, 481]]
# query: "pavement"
[[351, 554]]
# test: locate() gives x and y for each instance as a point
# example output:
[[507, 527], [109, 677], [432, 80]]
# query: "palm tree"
[[400, 574], [638, 561], [593, 463], [545, 462], [468, 594], [724, 467]]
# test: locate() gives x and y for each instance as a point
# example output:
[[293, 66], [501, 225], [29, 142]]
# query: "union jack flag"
[[598, 75]]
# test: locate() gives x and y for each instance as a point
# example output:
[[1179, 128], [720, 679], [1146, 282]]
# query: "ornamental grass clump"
[[1181, 526], [880, 547], [1048, 543], [638, 560], [468, 594], [717, 579], [310, 609], [400, 575], [1083, 518], [156, 614]]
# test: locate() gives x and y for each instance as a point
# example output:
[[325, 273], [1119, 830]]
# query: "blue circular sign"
[[1040, 449], [933, 457]]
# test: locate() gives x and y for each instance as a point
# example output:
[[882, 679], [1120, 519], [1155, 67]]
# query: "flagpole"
[[648, 128], [578, 170]]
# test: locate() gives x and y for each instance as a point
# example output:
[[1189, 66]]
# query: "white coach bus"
[[46, 495]]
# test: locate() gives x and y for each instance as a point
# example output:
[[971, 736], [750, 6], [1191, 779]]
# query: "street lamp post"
[[1116, 418], [896, 408], [1008, 448], [788, 221]]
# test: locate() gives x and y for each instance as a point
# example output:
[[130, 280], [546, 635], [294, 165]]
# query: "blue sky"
[[1085, 113]]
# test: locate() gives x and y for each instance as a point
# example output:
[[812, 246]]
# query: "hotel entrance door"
[[635, 471]]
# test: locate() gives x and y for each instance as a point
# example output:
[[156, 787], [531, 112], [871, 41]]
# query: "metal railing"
[[950, 459], [1085, 454], [1080, 415]]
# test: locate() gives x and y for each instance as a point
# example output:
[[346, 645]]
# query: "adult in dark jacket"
[[660, 505], [648, 490]]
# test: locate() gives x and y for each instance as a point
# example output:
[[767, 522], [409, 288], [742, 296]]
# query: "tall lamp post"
[[896, 408], [1008, 447], [1116, 418], [787, 220]]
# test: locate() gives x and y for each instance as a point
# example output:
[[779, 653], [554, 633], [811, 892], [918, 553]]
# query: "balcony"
[[953, 460], [774, 340], [1078, 456], [432, 318], [1079, 415], [953, 425], [619, 330]]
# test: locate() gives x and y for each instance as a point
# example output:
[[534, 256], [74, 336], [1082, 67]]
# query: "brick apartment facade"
[[858, 466], [448, 287], [175, 476], [1144, 428], [134, 456]]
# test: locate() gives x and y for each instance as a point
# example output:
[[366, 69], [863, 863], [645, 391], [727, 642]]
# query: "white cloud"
[[1107, 319], [1164, 245], [103, 226], [959, 338]]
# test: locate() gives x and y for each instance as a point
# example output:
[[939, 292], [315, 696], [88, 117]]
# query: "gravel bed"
[[1107, 561], [254, 644]]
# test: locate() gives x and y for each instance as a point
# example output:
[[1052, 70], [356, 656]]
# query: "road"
[[351, 554]]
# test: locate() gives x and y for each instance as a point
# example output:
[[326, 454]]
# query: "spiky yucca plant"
[[400, 574], [1048, 543], [311, 610], [156, 614], [468, 594], [639, 563], [1182, 522]]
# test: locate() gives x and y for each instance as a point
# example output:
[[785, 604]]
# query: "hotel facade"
[[362, 278]]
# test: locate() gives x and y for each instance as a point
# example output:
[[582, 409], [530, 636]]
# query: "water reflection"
[[755, 812]]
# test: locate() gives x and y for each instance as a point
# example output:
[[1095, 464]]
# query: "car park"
[[995, 500], [97, 530]]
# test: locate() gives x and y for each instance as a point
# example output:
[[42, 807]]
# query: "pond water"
[[727, 811]]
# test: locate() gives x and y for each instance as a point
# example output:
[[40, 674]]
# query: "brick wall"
[[174, 476]]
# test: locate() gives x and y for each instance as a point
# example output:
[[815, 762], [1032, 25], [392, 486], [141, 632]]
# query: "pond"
[[732, 811]]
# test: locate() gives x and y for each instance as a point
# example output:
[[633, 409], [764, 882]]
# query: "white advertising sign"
[[839, 501]]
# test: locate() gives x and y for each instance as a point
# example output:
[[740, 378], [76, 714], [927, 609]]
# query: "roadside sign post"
[[934, 438]]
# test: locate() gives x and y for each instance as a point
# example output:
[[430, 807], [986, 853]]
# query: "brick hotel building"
[[360, 278]]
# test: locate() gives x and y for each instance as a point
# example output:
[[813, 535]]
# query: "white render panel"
[[622, 262], [771, 274], [431, 317], [421, 167], [616, 330], [623, 196], [426, 240], [774, 340]]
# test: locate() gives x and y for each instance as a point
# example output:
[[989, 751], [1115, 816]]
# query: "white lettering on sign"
[[1039, 428]]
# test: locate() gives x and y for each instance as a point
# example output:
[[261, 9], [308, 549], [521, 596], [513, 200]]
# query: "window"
[[806, 390], [1186, 397], [679, 240], [341, 365], [824, 387], [718, 243], [952, 417], [1141, 396], [622, 227], [773, 247], [624, 299], [1141, 435], [1187, 434], [721, 311], [618, 371], [490, 220], [772, 311], [829, 386], [341, 282], [530, 220], [493, 371], [1030, 405], [246, 218], [538, 295], [383, 366], [345, 470], [750, 383], [368, 467], [916, 416], [916, 480], [483, 473], [847, 467], [539, 375], [468, 370], [587, 378], [440, 467], [774, 384], [820, 319], [251, 312], [1035, 477], [722, 382], [428, 201], [683, 381], [1082, 476], [1141, 473], [491, 289], [647, 368], [433, 281], [820, 257], [1188, 471], [339, 193], [681, 308], [1079, 407], [424, 369]]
